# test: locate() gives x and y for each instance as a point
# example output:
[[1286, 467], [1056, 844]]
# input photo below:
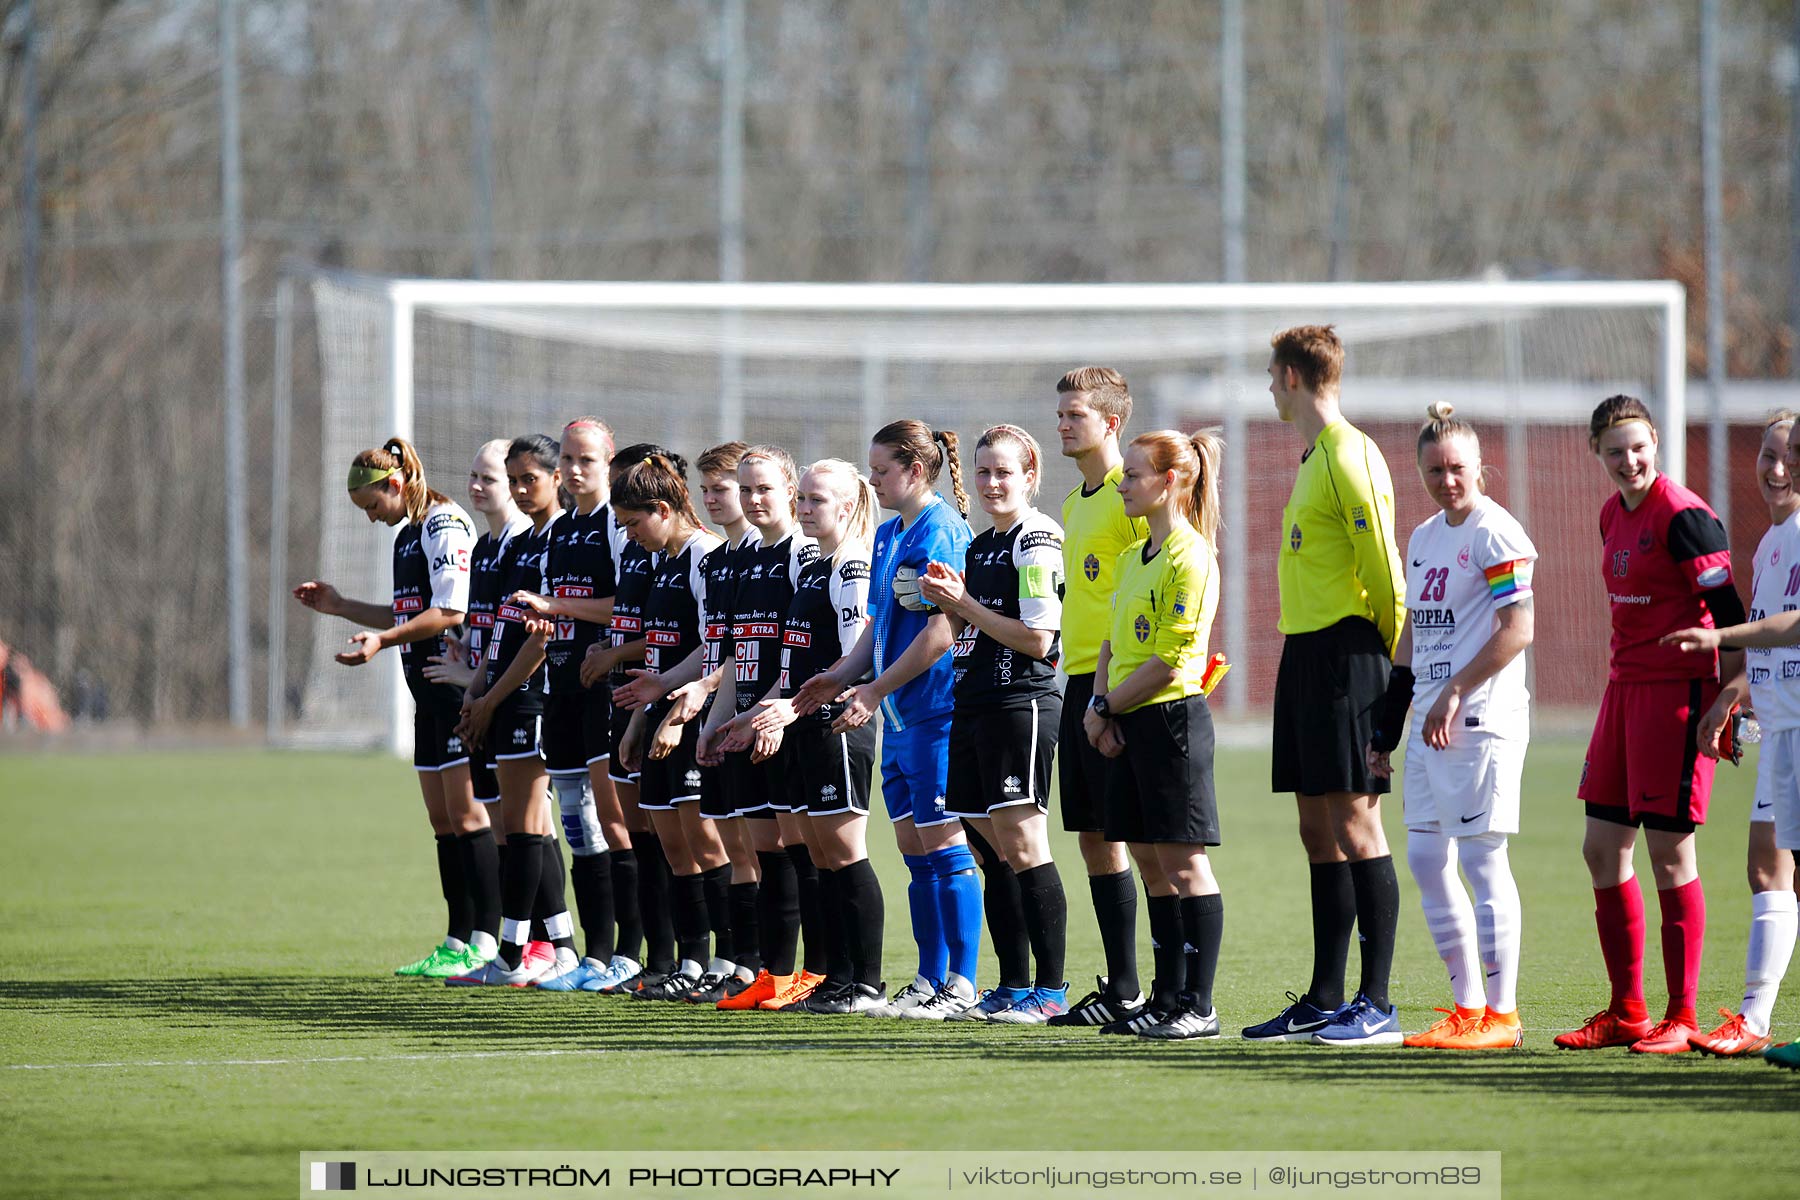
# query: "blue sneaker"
[[992, 1003], [1296, 1023], [618, 973], [573, 980], [1037, 1008], [1360, 1023]]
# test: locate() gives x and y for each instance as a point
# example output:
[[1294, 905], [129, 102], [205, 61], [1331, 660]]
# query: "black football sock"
[[687, 908], [832, 915], [518, 892], [746, 925], [459, 914], [778, 911], [1115, 911], [1046, 921], [716, 887], [1377, 913], [1202, 925], [865, 916], [810, 908], [1333, 920], [1006, 922], [591, 877], [481, 872], [624, 871], [1165, 948], [655, 903], [553, 897]]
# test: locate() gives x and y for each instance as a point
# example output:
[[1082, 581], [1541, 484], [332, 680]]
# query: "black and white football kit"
[[515, 727], [484, 601], [634, 565], [1008, 709], [431, 570], [672, 632], [761, 590], [581, 564], [826, 772]]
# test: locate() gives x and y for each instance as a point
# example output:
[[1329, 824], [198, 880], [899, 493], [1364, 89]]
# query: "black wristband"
[[1102, 708], [1393, 710]]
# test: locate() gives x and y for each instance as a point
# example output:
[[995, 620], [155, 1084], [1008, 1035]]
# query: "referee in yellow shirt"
[[1343, 604], [1092, 406], [1149, 714]]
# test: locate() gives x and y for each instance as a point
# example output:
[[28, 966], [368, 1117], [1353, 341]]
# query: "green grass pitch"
[[197, 987]]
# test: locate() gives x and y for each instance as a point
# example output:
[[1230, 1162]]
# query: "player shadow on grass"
[[404, 1016]]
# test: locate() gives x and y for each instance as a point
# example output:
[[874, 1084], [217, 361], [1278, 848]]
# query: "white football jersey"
[[1458, 578], [1775, 588]]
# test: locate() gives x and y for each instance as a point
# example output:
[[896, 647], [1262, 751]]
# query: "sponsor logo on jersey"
[[1140, 628], [1645, 541], [756, 629], [408, 604], [574, 591], [1181, 598], [1462, 557], [796, 637], [482, 620], [1359, 518], [1294, 538], [1090, 566], [511, 612], [662, 637]]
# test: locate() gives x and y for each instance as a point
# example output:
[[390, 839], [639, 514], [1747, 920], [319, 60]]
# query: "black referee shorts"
[[1161, 789], [1327, 696], [1082, 772]]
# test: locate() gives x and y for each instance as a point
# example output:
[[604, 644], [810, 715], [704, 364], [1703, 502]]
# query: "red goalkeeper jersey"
[[1659, 558]]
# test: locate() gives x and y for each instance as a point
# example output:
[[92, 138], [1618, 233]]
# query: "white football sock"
[[1774, 919], [1498, 916], [1448, 913]]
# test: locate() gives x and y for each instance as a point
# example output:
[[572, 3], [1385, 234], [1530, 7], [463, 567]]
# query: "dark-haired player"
[[1666, 565]]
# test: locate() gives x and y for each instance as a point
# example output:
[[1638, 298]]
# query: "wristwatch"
[[1100, 706]]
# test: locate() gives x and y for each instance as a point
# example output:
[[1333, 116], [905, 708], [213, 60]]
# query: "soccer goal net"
[[818, 368]]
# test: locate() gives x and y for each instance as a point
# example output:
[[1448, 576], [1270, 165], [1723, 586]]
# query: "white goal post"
[[452, 363]]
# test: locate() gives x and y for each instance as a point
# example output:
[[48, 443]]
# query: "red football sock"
[[1619, 912], [1683, 936]]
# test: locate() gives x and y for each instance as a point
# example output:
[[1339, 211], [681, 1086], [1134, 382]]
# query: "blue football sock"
[[927, 921], [959, 899]]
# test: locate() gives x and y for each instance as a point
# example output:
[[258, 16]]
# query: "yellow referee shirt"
[[1338, 557], [1164, 607], [1095, 531]]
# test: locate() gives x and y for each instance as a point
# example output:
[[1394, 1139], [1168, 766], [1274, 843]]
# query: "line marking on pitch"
[[378, 1058]]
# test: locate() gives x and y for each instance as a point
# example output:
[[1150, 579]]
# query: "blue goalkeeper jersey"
[[937, 534]]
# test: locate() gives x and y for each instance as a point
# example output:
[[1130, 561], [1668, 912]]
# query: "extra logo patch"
[[1090, 566], [828, 793], [693, 778], [1359, 518], [1180, 602], [1141, 628], [1012, 783], [1294, 538]]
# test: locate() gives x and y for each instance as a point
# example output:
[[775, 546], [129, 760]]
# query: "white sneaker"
[[952, 998], [497, 974], [911, 996]]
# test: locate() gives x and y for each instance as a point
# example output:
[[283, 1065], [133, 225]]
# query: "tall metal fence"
[[775, 139]]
